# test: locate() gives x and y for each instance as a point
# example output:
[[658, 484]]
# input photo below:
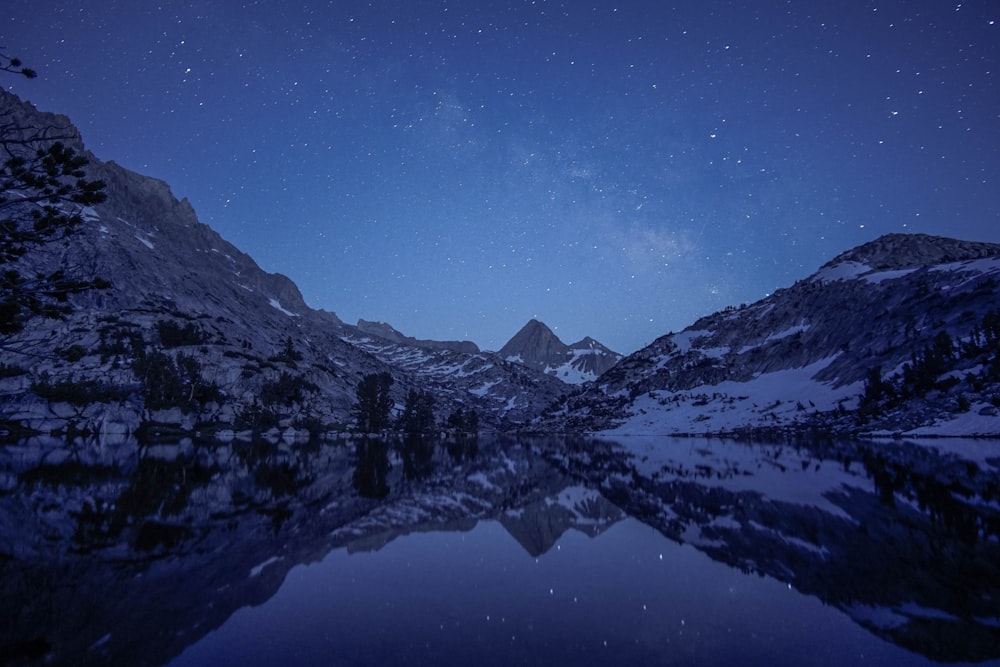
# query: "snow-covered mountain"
[[841, 350], [538, 347]]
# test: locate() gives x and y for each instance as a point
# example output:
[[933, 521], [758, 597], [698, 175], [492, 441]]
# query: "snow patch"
[[145, 242], [841, 271], [685, 339], [277, 306], [482, 480], [879, 276], [984, 265], [484, 388], [771, 399], [791, 476], [256, 570]]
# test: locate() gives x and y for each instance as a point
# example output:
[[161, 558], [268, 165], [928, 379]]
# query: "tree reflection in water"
[[371, 472]]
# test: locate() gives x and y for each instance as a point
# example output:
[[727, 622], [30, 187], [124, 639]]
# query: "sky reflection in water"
[[628, 596]]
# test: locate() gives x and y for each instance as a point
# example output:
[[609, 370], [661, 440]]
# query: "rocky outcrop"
[[904, 251]]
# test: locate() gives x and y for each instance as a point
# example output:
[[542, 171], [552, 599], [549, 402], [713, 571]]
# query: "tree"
[[418, 413], [464, 422], [44, 190], [14, 66], [371, 472], [374, 402], [876, 390]]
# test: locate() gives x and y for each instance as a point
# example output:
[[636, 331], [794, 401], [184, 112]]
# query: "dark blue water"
[[500, 551], [628, 596]]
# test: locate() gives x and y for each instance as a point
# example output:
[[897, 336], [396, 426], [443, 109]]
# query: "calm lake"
[[500, 551]]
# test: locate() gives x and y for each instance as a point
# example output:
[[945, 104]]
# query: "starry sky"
[[614, 169]]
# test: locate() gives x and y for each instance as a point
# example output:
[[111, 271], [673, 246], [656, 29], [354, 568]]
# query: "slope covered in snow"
[[805, 356]]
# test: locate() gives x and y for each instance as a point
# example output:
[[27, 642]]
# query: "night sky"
[[615, 169]]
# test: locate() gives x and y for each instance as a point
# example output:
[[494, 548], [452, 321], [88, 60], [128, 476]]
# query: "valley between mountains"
[[898, 336]]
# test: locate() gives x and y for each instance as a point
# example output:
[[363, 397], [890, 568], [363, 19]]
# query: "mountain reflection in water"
[[500, 551]]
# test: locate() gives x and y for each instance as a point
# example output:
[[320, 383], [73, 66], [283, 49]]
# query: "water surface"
[[501, 551]]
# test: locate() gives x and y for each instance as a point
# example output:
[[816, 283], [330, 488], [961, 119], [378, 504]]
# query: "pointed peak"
[[536, 325], [588, 343], [534, 342]]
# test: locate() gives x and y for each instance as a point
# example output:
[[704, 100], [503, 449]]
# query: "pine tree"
[[418, 413], [43, 192], [374, 402]]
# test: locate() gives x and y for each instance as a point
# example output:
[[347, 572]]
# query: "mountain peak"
[[534, 343], [588, 343], [537, 346], [910, 251]]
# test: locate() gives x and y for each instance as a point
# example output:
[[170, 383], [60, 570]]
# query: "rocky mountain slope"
[[193, 335], [897, 335], [537, 346]]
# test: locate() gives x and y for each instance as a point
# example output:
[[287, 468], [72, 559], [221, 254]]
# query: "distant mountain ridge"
[[538, 347], [389, 333]]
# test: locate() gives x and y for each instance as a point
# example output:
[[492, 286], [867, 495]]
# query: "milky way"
[[613, 169]]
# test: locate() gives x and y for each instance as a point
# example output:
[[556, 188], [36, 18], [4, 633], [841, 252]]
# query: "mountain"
[[193, 335], [537, 346], [900, 335]]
